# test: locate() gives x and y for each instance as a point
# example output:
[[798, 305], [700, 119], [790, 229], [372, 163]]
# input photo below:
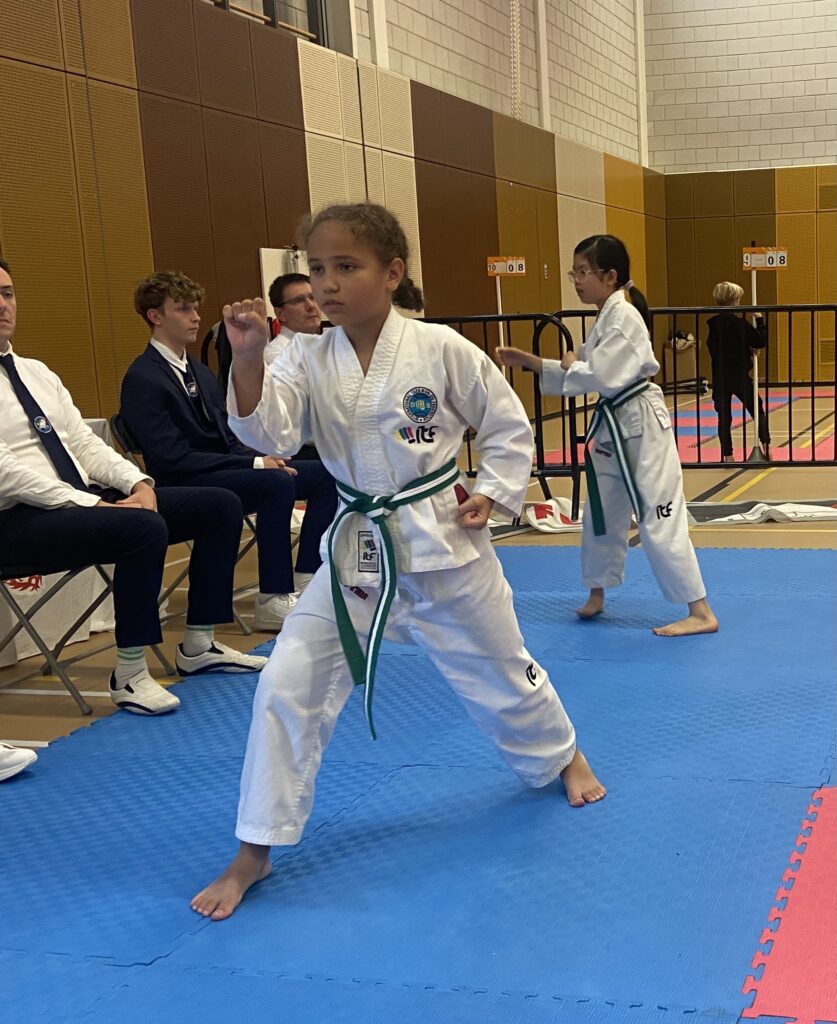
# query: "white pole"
[[500, 309], [756, 444]]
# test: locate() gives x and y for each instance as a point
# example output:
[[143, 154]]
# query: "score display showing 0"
[[764, 259], [505, 266]]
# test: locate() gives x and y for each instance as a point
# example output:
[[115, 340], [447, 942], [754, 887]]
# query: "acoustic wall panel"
[[178, 192], [30, 30], [827, 292], [715, 256], [762, 231], [276, 76], [41, 230], [426, 108], [166, 61], [225, 65], [285, 177], [347, 74], [713, 194], [467, 135], [369, 109], [796, 189], [400, 196], [654, 192], [523, 154], [115, 227], [754, 192], [326, 171], [396, 112], [98, 41], [796, 285], [827, 187], [680, 255], [355, 173], [374, 160], [630, 227], [320, 90], [577, 219], [547, 270], [680, 195], [656, 269], [624, 184], [236, 203], [579, 171]]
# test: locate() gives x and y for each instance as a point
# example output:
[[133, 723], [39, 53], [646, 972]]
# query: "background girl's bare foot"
[[581, 784], [593, 606], [700, 619], [219, 899]]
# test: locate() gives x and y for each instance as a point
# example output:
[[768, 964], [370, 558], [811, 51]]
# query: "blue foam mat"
[[430, 886]]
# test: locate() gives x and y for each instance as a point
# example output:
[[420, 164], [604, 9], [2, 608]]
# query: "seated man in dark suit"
[[173, 407], [53, 518]]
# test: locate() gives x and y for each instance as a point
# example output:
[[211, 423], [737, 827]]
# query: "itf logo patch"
[[368, 559], [417, 435], [420, 404], [42, 425], [192, 389]]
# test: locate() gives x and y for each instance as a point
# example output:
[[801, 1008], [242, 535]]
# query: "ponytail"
[[408, 295], [638, 301]]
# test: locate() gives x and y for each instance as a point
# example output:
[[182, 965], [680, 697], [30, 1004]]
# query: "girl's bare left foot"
[[593, 606], [581, 784], [220, 898], [700, 619]]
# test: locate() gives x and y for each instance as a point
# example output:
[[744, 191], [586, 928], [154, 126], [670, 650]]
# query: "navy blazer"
[[176, 441]]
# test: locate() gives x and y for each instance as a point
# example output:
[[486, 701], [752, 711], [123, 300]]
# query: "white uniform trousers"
[[463, 618], [664, 531]]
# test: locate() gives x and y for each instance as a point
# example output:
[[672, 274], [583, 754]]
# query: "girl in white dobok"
[[631, 460], [386, 401]]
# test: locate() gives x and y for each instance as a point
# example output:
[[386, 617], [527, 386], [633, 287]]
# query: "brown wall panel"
[[680, 254], [225, 67], [426, 104], [41, 230], [826, 187], [713, 194], [680, 195], [624, 184], [656, 269], [523, 154], [763, 230], [115, 227], [548, 268], [797, 232], [467, 135], [285, 177], [796, 189], [654, 189], [629, 226], [754, 192], [167, 61], [178, 193], [276, 71], [236, 202], [30, 30], [98, 40], [715, 256]]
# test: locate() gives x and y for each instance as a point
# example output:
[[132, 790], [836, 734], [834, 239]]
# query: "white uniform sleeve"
[[280, 422], [612, 364], [552, 377], [503, 440]]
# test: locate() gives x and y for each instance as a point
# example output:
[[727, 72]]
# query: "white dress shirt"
[[27, 475]]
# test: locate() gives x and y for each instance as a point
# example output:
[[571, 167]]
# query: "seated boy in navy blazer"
[[173, 407]]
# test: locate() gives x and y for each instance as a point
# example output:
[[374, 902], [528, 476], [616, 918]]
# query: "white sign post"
[[756, 258], [504, 266]]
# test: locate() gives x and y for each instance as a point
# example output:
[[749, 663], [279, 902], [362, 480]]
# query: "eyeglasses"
[[579, 275], [300, 300]]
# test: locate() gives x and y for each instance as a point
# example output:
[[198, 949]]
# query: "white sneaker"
[[272, 610], [14, 760], [142, 696], [301, 580], [219, 658]]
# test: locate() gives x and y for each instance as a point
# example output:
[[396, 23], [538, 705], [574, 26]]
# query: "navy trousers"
[[135, 542], [272, 494]]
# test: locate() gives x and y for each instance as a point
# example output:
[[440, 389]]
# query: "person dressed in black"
[[68, 500], [174, 409], [730, 343]]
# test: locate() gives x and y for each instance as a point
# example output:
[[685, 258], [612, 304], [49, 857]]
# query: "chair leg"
[[168, 668]]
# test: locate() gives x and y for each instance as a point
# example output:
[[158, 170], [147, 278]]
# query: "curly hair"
[[165, 284]]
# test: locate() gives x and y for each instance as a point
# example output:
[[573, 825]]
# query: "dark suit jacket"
[[176, 442], [731, 336]]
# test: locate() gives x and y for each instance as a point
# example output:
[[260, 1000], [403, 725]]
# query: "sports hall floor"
[[431, 888]]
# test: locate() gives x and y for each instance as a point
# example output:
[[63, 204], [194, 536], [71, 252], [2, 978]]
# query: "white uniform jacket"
[[425, 386], [617, 352]]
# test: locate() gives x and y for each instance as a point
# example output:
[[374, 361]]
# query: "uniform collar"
[[169, 356]]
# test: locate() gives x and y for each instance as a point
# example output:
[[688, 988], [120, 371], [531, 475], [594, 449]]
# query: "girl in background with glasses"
[[631, 458]]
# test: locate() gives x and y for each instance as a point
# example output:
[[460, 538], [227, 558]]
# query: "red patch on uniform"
[[360, 592], [461, 494]]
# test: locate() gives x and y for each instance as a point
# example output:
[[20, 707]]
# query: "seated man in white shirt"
[[54, 518], [295, 309]]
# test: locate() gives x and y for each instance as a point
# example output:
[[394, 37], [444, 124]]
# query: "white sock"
[[130, 662], [197, 640]]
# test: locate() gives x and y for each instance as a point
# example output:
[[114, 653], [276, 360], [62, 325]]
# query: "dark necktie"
[[194, 394], [58, 454]]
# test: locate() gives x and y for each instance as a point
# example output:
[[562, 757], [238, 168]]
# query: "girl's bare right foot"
[[593, 606], [219, 899], [581, 784]]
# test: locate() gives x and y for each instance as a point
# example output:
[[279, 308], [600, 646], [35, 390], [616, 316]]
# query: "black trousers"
[[722, 397], [272, 494], [135, 542]]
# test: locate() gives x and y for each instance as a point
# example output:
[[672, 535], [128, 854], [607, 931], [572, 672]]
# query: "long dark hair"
[[379, 228], [605, 252]]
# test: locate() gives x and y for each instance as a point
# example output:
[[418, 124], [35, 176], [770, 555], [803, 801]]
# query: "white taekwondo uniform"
[[405, 419], [616, 354]]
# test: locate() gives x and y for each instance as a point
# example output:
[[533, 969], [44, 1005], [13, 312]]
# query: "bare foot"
[[700, 619], [593, 606], [581, 784], [219, 899]]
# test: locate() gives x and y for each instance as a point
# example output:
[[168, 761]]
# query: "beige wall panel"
[[680, 256], [796, 285], [41, 229], [98, 40], [396, 112], [680, 195], [630, 227], [579, 171], [796, 189], [827, 187], [320, 85], [326, 171], [115, 224], [577, 219], [624, 185], [656, 268], [349, 98], [374, 175], [369, 109], [355, 173], [400, 197], [30, 30], [713, 194]]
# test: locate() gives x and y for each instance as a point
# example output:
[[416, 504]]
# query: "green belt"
[[377, 509], [604, 413]]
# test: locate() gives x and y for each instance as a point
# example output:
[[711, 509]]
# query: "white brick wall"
[[740, 83]]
